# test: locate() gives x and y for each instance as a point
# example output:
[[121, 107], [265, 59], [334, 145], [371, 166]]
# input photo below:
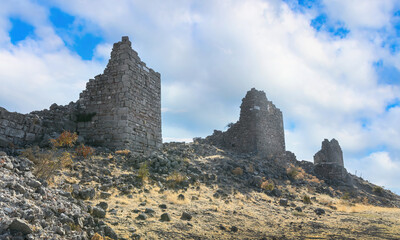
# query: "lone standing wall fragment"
[[259, 129]]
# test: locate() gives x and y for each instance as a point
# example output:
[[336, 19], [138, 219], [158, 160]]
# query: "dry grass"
[[124, 152], [358, 208], [237, 171]]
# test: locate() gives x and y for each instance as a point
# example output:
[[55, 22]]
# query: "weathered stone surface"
[[120, 108], [98, 212], [329, 162], [19, 225], [330, 153], [259, 129]]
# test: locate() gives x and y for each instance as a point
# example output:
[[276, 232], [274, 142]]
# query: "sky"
[[331, 66]]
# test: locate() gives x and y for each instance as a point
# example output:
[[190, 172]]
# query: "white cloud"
[[361, 14], [379, 168], [39, 70]]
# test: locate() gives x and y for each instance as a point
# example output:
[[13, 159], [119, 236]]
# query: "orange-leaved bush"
[[84, 151], [66, 139]]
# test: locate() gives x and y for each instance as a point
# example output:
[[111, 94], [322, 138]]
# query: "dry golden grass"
[[359, 208]]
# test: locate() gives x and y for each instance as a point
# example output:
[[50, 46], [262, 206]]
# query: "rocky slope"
[[189, 191]]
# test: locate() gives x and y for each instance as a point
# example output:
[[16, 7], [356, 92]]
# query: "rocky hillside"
[[184, 191]]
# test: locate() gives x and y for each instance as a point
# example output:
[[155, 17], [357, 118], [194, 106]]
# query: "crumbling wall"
[[18, 129], [259, 129], [121, 108], [328, 162]]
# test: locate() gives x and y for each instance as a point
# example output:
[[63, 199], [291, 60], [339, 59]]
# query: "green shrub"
[[306, 199], [267, 185], [143, 172], [378, 190]]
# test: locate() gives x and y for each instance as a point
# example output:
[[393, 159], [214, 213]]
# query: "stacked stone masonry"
[[120, 108], [328, 162], [123, 104], [259, 129]]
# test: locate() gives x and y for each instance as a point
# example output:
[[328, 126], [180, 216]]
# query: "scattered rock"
[[181, 197], [102, 205], [98, 212], [298, 209], [19, 225], [149, 211], [165, 217], [234, 229], [319, 211], [163, 206], [88, 193], [105, 195], [142, 216], [186, 216], [283, 202], [109, 232]]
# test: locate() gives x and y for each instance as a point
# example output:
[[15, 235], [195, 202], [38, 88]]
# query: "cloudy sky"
[[331, 66]]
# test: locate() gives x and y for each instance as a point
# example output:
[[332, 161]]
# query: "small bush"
[[84, 151], [97, 236], [377, 190], [267, 185], [346, 196], [175, 179], [306, 199], [237, 171], [66, 139], [143, 172], [47, 162], [124, 152], [250, 169], [292, 172]]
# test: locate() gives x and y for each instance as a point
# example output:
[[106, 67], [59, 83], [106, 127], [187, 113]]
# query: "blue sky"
[[331, 66]]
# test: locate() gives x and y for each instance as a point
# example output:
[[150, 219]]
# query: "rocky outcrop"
[[259, 129], [328, 162], [29, 209]]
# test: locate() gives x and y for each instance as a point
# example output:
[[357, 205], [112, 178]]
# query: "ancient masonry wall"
[[259, 129], [328, 162], [120, 108], [21, 129], [122, 105]]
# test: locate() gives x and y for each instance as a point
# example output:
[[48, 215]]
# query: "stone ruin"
[[120, 108], [259, 129], [328, 162]]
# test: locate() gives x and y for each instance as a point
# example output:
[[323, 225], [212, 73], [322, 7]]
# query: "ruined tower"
[[121, 108], [328, 162], [259, 129]]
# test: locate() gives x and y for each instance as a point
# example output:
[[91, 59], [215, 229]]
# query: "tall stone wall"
[[119, 109], [122, 106], [328, 162], [259, 129]]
